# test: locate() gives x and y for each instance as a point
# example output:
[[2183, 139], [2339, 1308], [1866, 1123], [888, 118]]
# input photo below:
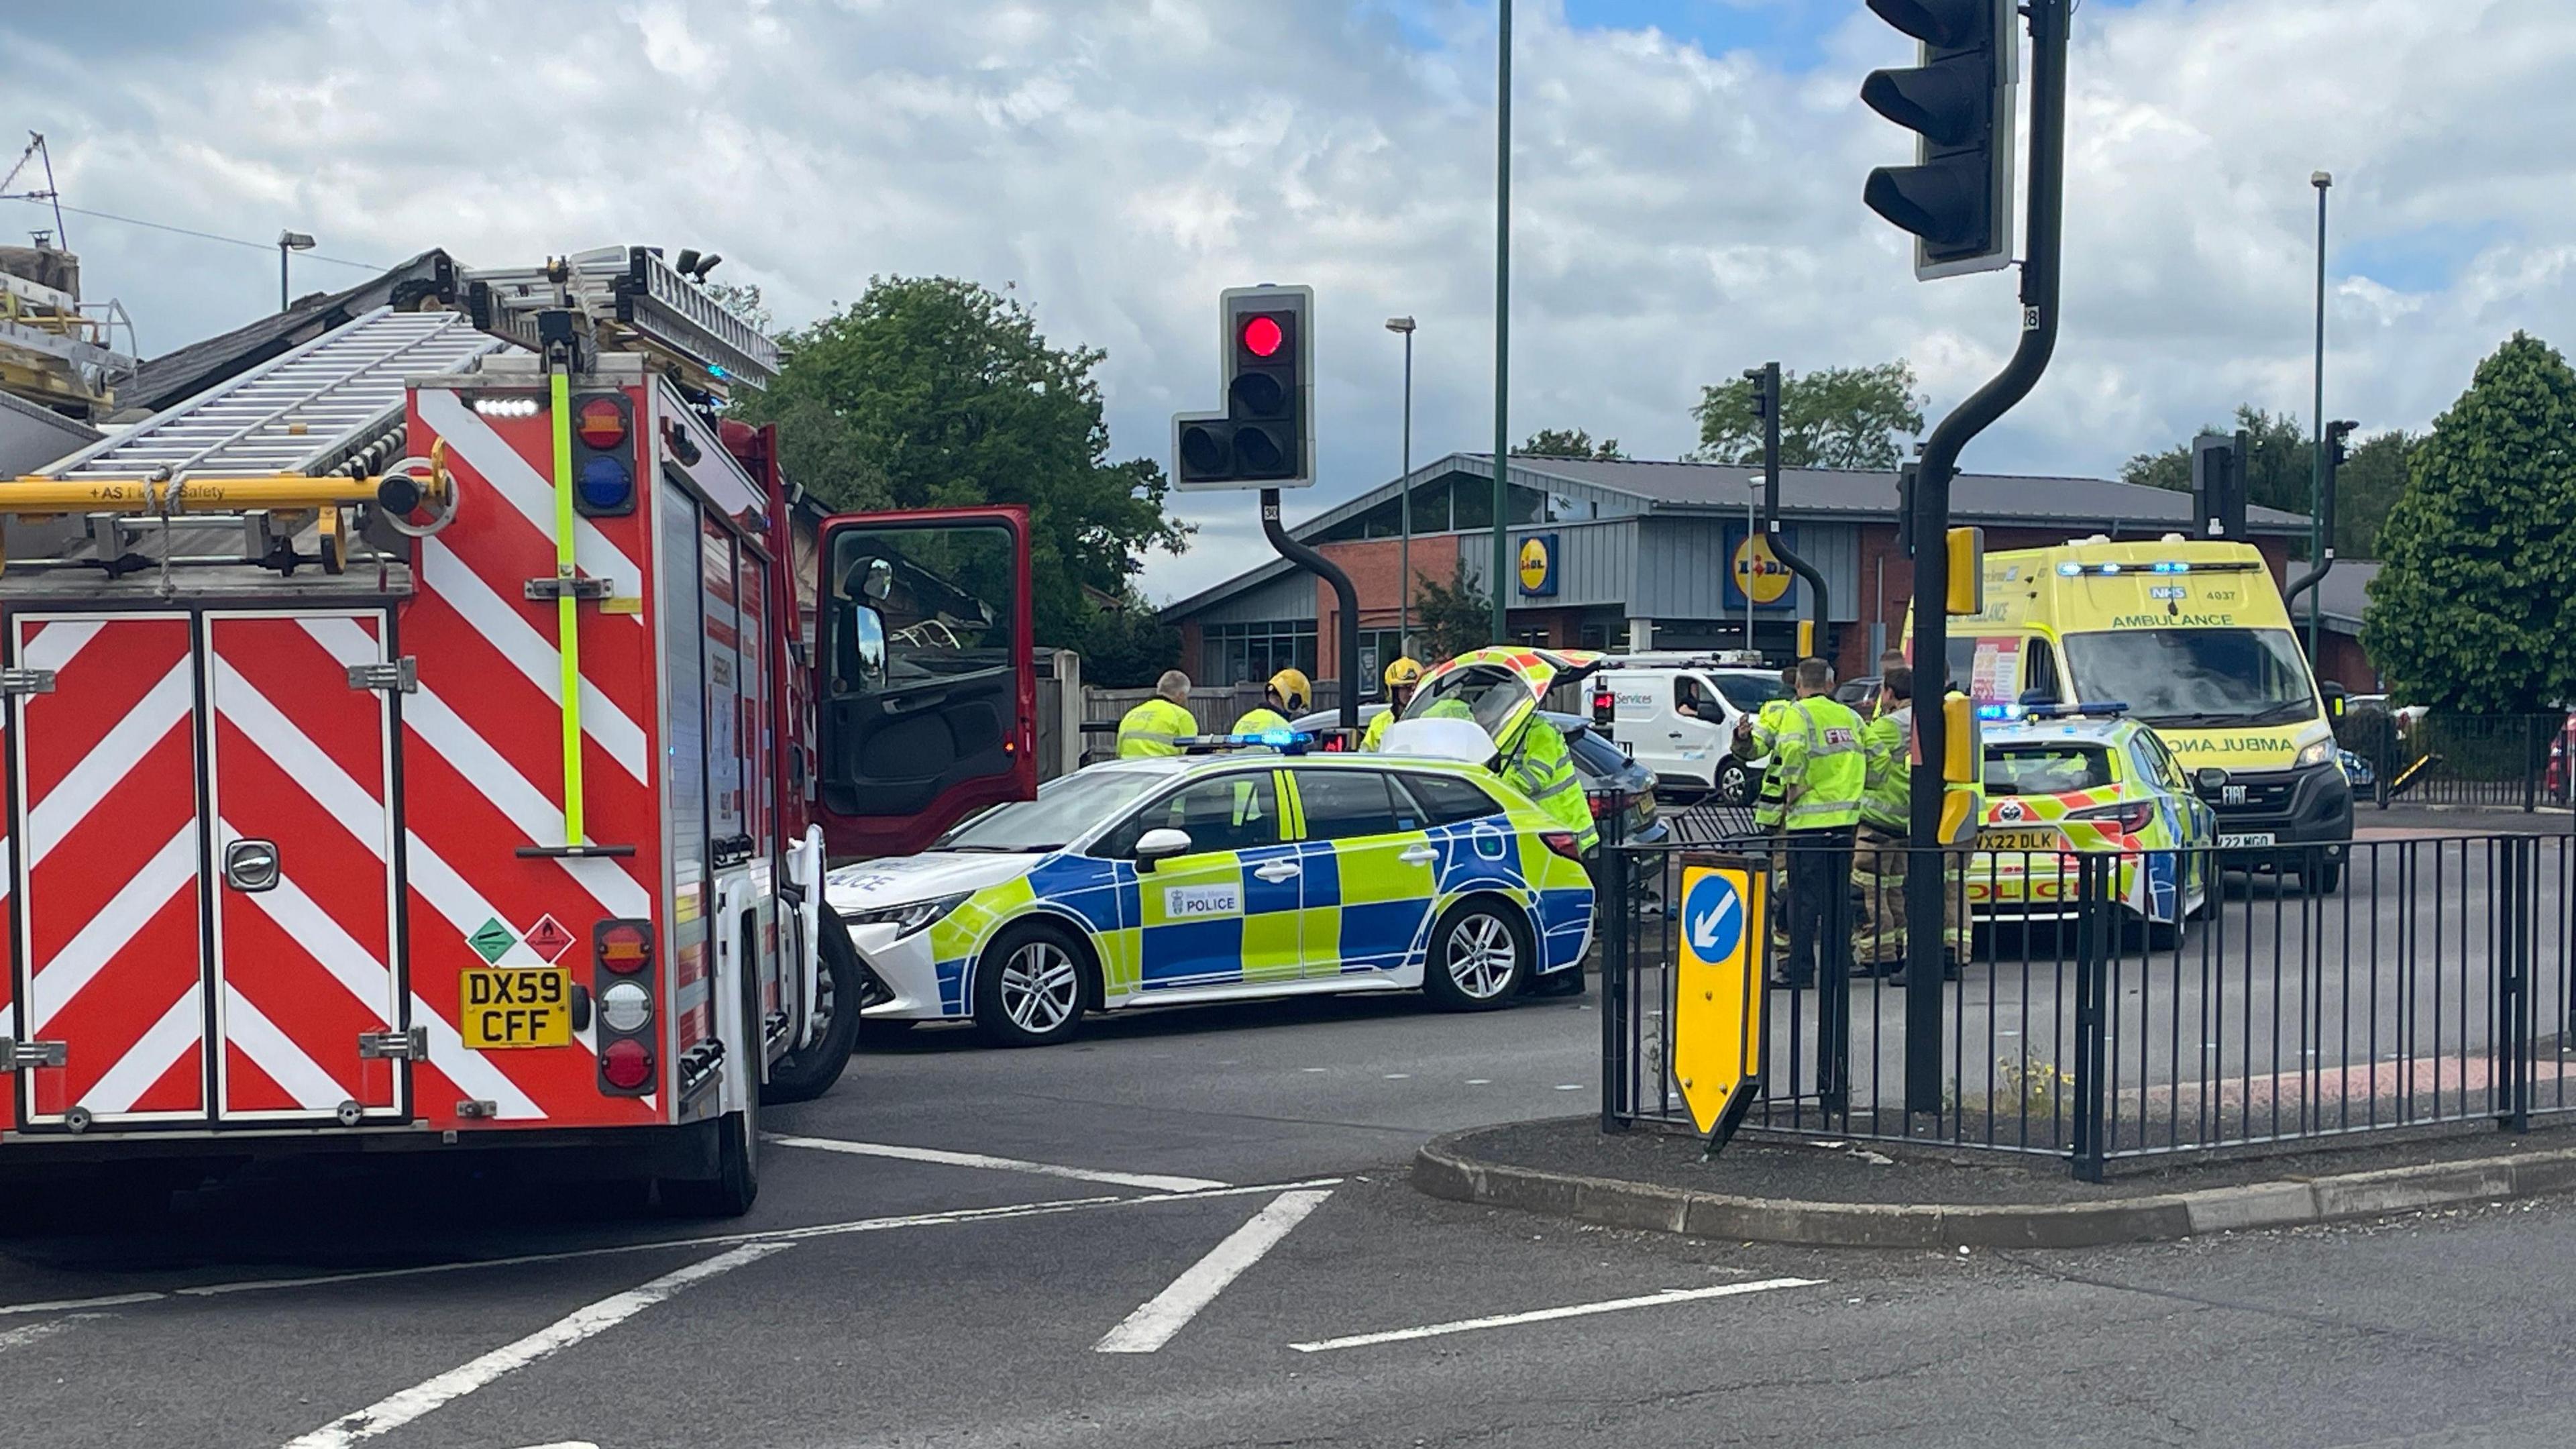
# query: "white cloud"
[[1677, 215]]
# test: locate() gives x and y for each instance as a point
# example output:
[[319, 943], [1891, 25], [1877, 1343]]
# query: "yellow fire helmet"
[[1403, 672], [1294, 688]]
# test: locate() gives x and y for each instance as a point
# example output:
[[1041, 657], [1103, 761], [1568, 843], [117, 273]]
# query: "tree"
[[1127, 647], [1451, 618], [1558, 443], [1841, 417], [932, 392], [2367, 487], [2476, 607], [742, 299]]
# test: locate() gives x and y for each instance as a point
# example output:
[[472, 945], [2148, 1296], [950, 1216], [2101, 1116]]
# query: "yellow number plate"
[[2022, 840], [515, 1006]]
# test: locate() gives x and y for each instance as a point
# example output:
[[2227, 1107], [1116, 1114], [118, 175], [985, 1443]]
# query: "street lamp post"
[[1404, 501], [2318, 543], [289, 241]]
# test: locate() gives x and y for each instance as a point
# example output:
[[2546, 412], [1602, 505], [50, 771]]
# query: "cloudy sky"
[[1686, 189]]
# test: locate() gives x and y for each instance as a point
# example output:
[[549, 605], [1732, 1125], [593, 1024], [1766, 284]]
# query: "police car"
[[2057, 786], [1221, 877]]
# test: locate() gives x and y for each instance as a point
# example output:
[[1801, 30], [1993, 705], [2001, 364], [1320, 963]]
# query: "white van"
[[1676, 715]]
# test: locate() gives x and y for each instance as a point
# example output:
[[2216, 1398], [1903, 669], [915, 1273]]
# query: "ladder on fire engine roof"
[[635, 302], [334, 405]]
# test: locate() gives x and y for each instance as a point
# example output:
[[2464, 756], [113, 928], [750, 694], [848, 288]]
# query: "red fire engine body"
[[470, 799]]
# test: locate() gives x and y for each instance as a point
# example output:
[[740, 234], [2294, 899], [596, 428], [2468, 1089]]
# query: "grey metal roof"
[[200, 365], [32, 436], [2342, 594], [1813, 493]]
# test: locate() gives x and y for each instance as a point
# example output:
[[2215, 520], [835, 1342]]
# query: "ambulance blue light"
[[605, 483], [2109, 569], [2070, 570], [2172, 566]]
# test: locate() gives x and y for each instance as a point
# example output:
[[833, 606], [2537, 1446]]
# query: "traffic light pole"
[[1924, 888], [2329, 463], [1766, 380], [1347, 634]]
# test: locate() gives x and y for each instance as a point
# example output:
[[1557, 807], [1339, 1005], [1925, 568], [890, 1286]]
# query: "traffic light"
[[1957, 197], [1265, 437], [2218, 484], [1766, 390]]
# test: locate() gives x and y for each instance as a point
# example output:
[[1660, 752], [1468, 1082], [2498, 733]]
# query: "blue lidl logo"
[[1713, 918]]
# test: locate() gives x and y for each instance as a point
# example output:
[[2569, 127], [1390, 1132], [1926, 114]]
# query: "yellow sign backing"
[[1717, 998]]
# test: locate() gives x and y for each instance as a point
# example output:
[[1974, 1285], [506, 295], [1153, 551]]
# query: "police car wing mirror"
[[1161, 844], [2210, 779]]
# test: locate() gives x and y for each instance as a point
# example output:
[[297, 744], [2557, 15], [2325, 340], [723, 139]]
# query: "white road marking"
[[1168, 1312], [1399, 1076], [21, 1337], [1543, 1315], [1153, 1181], [399, 1409], [1480, 1081], [1045, 1208]]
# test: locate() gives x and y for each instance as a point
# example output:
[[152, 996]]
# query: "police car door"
[[1370, 870], [1228, 910]]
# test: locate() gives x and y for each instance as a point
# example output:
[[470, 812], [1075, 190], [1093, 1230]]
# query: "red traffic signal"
[[1262, 336]]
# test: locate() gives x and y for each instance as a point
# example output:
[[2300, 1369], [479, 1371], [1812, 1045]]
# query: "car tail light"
[[2133, 817], [1563, 842], [626, 988], [1600, 805]]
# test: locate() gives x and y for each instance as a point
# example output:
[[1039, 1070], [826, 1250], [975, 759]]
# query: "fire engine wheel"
[[736, 1184], [1480, 956], [1029, 987], [807, 1073]]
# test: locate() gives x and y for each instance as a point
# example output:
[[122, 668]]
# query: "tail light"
[[1563, 842], [625, 987], [2133, 817], [1600, 805]]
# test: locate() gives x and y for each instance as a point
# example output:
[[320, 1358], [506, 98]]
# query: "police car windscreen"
[[2050, 769], [1065, 807], [2195, 678]]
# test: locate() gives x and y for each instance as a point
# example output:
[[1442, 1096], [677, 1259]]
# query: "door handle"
[[1278, 870], [1417, 855], [250, 865]]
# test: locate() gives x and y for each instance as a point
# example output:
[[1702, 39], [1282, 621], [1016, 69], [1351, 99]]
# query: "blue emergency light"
[[1287, 742]]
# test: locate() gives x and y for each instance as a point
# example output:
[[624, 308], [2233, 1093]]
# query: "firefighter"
[[1403, 677], [1823, 775], [1879, 854], [1757, 736], [1282, 699], [1540, 766], [1154, 727]]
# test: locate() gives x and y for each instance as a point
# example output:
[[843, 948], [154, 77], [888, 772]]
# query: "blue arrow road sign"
[[1713, 919]]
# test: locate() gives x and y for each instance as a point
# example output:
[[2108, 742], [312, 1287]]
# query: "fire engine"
[[435, 737]]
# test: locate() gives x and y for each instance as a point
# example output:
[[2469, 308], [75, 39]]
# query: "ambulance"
[[2191, 638], [416, 743]]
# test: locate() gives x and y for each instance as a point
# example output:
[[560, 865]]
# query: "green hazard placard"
[[492, 940]]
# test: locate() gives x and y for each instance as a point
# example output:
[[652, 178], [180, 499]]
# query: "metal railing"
[[2510, 761], [2433, 984]]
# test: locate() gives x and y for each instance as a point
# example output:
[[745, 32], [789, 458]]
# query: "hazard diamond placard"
[[548, 938]]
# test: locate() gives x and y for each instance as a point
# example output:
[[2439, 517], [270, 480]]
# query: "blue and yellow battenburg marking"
[[1219, 919]]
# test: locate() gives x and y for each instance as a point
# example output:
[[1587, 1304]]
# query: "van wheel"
[[807, 1073], [1481, 957], [1734, 783], [1028, 987]]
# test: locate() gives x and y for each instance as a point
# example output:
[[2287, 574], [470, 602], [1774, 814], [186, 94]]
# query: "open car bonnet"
[[1499, 687]]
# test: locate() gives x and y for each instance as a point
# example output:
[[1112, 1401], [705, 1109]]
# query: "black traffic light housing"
[[2218, 486], [1958, 99], [1265, 438]]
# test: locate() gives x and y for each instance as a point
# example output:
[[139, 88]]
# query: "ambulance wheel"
[[2322, 878], [809, 1072], [1028, 987], [1481, 956], [736, 1184]]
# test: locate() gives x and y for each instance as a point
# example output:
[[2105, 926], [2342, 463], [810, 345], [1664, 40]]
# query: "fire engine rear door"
[[304, 851], [107, 899]]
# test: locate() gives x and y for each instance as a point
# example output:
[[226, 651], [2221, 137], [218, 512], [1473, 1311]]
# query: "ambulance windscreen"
[[2196, 678]]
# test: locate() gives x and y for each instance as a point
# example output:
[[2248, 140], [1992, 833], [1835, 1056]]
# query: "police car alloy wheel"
[[1028, 988], [1479, 958]]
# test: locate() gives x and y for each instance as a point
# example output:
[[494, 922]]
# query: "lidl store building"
[[1633, 555]]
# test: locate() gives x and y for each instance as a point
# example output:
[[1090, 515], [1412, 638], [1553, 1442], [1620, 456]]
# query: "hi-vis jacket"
[[1819, 763], [1150, 729]]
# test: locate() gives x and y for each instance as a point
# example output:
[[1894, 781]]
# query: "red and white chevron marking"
[[482, 752], [107, 790]]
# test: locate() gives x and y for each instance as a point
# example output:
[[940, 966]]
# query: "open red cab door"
[[926, 674]]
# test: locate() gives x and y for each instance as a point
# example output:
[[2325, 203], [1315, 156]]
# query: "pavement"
[[1194, 1228]]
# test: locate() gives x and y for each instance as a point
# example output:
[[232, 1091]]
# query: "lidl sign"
[[1538, 565]]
